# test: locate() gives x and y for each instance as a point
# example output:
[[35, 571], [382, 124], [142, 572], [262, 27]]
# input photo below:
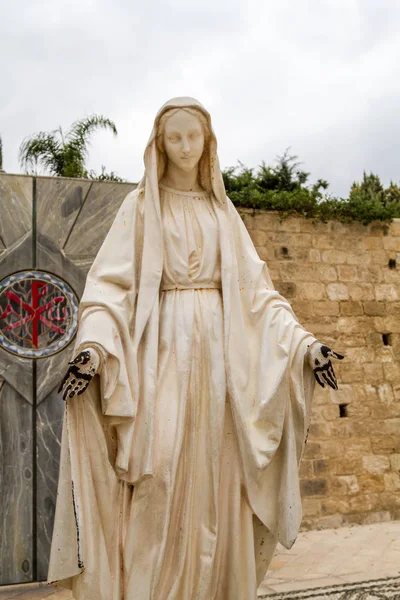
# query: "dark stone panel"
[[15, 487], [95, 218], [59, 201], [48, 427], [16, 208], [16, 370], [18, 256], [50, 258], [50, 372]]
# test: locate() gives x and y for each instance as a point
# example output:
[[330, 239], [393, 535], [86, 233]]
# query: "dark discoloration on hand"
[[78, 376], [323, 368]]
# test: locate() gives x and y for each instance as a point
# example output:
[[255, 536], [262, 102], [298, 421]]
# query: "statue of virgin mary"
[[179, 461]]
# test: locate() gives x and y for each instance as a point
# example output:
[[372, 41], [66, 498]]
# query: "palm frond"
[[42, 149], [81, 130]]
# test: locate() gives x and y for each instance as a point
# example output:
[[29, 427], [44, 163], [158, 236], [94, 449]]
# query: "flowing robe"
[[206, 413]]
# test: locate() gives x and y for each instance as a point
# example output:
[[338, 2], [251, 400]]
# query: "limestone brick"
[[331, 506], [392, 482], [395, 462], [311, 291], [390, 426], [335, 257], [370, 243], [392, 308], [323, 242], [321, 467], [311, 507], [348, 466], [385, 444], [359, 258], [373, 373], [391, 276], [338, 291], [350, 373], [370, 274], [314, 255], [376, 464], [313, 487], [385, 392], [351, 309], [384, 354], [291, 271], [386, 291], [320, 430], [347, 273], [379, 257], [386, 411], [345, 485], [395, 228], [371, 482], [361, 291], [392, 371], [364, 502], [367, 355], [358, 325], [375, 309], [391, 243], [324, 308], [356, 447]]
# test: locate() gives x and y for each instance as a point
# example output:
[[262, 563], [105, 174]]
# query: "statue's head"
[[182, 135]]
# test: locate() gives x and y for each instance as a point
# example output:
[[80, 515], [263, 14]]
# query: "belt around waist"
[[194, 286]]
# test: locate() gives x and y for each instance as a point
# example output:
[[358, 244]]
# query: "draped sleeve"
[[107, 308], [269, 381]]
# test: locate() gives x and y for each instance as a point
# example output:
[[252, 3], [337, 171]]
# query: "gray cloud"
[[320, 76]]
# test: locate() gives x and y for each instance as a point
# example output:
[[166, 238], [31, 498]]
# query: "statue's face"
[[184, 140]]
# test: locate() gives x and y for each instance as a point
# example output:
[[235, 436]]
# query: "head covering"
[[212, 171]]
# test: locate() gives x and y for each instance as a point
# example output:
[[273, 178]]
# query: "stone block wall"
[[343, 281]]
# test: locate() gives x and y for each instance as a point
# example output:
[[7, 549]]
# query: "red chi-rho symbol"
[[40, 314]]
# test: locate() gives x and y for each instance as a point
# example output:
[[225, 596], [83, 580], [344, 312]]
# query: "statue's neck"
[[180, 180]]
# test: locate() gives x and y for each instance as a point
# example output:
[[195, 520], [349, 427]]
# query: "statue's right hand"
[[83, 368]]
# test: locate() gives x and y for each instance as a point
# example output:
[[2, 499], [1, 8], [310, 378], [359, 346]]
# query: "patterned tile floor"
[[318, 559]]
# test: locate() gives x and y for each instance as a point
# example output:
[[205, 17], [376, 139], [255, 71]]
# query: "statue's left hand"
[[319, 360], [82, 369]]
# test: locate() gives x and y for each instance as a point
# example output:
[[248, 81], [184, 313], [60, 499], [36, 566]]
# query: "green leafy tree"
[[370, 189], [64, 155]]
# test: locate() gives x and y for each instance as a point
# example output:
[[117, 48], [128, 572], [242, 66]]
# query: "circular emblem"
[[38, 314]]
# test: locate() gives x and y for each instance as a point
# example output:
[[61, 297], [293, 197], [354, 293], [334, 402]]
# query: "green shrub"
[[284, 187]]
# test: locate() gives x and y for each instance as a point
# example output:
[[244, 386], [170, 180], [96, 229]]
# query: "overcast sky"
[[320, 76]]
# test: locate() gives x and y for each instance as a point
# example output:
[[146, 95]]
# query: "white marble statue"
[[179, 463]]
